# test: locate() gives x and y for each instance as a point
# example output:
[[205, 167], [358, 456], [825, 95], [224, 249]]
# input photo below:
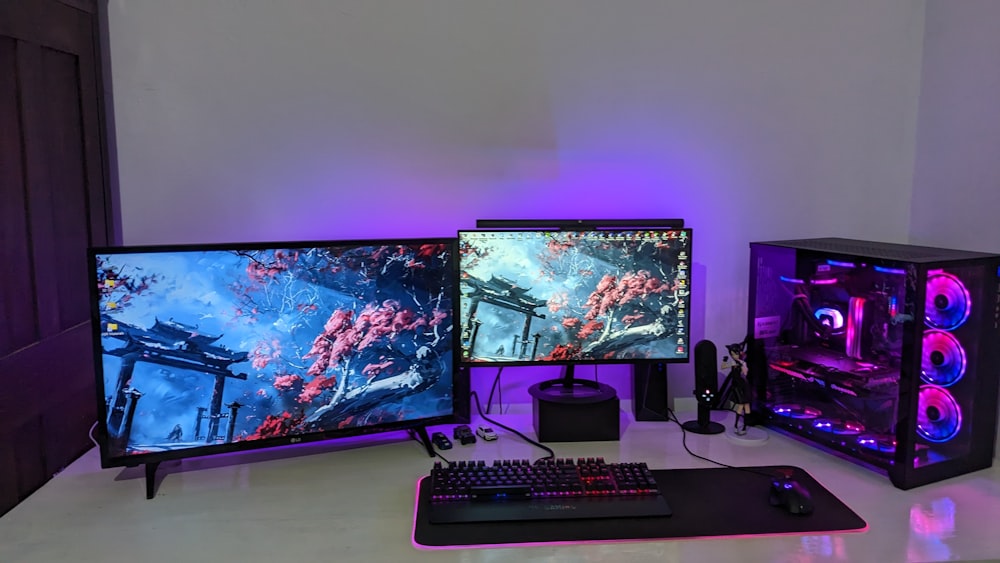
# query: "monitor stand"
[[420, 434], [571, 388], [151, 479], [574, 410]]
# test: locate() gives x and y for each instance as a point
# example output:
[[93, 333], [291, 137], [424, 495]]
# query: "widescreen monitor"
[[204, 349], [574, 296]]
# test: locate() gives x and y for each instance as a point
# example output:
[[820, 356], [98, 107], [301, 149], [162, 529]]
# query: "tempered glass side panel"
[[885, 354], [833, 332], [770, 301]]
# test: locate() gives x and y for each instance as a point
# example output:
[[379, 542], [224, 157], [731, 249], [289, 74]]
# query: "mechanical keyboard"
[[552, 489]]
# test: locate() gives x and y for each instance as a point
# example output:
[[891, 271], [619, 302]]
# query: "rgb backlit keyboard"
[[477, 491]]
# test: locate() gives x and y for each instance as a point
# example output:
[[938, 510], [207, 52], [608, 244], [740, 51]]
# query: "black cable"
[[479, 407], [500, 396], [673, 417], [438, 454], [496, 385], [801, 301], [416, 438]]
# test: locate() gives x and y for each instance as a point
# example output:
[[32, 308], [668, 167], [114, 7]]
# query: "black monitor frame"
[[438, 254], [575, 225], [580, 224]]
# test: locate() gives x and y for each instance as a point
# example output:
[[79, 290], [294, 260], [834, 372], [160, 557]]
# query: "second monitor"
[[580, 296]]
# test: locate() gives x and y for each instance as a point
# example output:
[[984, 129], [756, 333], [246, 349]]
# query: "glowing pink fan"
[[943, 359], [939, 418], [791, 410], [839, 426], [948, 303], [881, 443]]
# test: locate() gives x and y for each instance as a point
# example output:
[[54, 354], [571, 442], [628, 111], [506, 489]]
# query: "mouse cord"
[[673, 418]]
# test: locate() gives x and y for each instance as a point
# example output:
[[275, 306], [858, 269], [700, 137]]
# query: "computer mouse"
[[791, 495]]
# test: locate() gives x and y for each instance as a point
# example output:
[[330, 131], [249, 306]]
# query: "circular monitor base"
[[711, 428], [575, 411], [572, 392]]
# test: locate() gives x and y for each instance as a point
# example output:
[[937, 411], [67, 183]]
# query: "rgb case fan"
[[882, 353], [879, 443], [797, 411], [839, 427], [948, 303], [939, 418], [943, 359]]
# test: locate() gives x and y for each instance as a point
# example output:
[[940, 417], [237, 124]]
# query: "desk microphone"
[[706, 387]]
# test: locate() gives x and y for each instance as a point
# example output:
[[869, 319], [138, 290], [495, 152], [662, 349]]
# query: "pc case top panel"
[[902, 253]]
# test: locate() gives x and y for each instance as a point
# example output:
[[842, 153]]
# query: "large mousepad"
[[706, 503]]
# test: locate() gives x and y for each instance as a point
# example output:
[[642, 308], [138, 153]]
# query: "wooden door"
[[55, 202]]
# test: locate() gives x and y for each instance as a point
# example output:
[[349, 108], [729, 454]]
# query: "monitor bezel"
[[459, 388], [584, 225]]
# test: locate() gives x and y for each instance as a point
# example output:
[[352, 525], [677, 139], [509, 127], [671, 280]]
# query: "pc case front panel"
[[950, 425]]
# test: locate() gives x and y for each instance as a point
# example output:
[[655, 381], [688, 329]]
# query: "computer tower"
[[886, 354]]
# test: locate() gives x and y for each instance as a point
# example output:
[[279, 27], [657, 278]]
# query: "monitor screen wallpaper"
[[574, 296], [203, 349]]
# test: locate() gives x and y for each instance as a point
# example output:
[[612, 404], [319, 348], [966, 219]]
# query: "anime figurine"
[[740, 385]]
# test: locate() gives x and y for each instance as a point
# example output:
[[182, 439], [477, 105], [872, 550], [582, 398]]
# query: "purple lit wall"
[[956, 193], [309, 119]]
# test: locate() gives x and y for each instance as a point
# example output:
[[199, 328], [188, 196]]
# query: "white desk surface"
[[344, 502]]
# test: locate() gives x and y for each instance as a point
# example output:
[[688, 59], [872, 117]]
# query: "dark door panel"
[[56, 184], [56, 201], [17, 292]]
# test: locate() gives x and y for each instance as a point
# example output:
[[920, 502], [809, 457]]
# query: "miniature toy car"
[[464, 434], [441, 441], [486, 433]]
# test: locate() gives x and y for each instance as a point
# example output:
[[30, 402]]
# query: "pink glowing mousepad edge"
[[706, 503]]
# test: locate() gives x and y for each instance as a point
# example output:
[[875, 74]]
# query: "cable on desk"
[[479, 408], [90, 434], [673, 418], [499, 389]]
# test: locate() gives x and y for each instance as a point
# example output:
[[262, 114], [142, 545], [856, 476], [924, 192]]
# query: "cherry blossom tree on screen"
[[627, 304], [118, 285], [386, 311]]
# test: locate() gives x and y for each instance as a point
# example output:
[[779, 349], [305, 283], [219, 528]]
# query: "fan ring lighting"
[[881, 443], [939, 418], [830, 317], [796, 411], [948, 303], [839, 427], [943, 359]]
